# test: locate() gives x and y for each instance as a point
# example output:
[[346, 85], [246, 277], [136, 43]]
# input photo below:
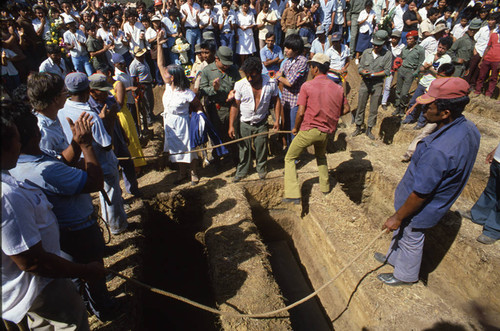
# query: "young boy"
[[96, 47]]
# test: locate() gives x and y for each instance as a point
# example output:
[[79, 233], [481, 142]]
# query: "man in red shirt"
[[490, 61], [321, 102]]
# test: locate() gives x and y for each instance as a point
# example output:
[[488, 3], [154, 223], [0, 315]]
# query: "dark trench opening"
[[289, 273], [173, 260]]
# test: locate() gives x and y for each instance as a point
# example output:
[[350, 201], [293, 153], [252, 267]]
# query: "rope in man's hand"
[[272, 132]]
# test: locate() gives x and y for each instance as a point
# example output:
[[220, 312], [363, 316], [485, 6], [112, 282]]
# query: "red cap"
[[412, 33], [158, 2], [445, 88]]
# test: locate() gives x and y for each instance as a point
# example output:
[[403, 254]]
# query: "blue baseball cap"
[[76, 82], [117, 58]]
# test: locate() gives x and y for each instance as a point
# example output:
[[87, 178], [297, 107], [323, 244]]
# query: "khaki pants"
[[58, 307], [301, 141], [245, 149]]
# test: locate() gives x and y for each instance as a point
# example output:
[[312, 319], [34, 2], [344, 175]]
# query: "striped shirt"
[[295, 71]]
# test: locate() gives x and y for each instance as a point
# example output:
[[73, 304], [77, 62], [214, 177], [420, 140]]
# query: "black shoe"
[[369, 133], [290, 200], [356, 132], [484, 239], [236, 179], [380, 257], [389, 279], [384, 107]]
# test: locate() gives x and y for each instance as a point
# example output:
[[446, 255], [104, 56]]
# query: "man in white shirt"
[[430, 43], [54, 63], [253, 119], [134, 30], [401, 8], [75, 41], [459, 29], [339, 58], [427, 26], [190, 18]]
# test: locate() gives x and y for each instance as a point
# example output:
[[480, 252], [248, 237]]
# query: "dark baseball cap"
[[225, 55]]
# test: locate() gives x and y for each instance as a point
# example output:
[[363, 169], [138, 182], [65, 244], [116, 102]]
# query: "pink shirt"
[[324, 101]]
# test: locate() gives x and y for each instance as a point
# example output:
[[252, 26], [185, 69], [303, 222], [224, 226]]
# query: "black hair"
[[449, 9], [207, 2], [495, 16], [131, 13], [174, 12], [295, 43], [20, 94], [7, 124], [247, 2], [269, 34], [26, 123], [53, 49], [90, 26], [369, 3], [482, 11], [43, 88], [296, 1], [432, 11], [210, 45], [446, 41], [322, 67], [54, 10], [446, 69], [140, 4], [456, 106], [179, 76], [226, 4], [252, 64], [145, 19], [113, 23]]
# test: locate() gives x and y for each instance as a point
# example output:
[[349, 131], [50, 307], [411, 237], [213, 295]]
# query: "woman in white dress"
[[245, 22], [178, 102]]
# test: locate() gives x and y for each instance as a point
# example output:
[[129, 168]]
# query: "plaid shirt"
[[296, 72]]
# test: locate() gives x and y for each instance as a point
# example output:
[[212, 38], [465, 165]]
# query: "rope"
[[208, 148], [106, 226], [256, 315]]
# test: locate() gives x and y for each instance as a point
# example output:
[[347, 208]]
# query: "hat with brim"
[[208, 35], [320, 58], [197, 48], [320, 30], [380, 37], [439, 28], [138, 52], [225, 55], [445, 88], [475, 24], [99, 82], [156, 18], [396, 33], [336, 36], [306, 42], [69, 20]]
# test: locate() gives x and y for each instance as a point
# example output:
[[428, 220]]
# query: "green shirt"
[[94, 45], [227, 80], [413, 57], [383, 62], [463, 49]]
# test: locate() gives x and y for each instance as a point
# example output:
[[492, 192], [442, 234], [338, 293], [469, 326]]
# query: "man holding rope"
[[321, 102], [437, 174]]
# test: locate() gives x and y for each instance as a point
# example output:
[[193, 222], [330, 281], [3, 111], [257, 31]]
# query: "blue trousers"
[[113, 214], [159, 79], [193, 37], [290, 115], [304, 32], [405, 252], [227, 39], [82, 64], [278, 33], [486, 211], [413, 116], [128, 168]]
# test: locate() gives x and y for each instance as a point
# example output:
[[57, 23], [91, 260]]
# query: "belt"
[[256, 124], [190, 28], [227, 32], [80, 226]]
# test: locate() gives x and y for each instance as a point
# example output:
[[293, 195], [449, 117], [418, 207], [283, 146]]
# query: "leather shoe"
[[356, 132], [389, 279], [369, 133], [380, 257], [484, 239], [290, 200]]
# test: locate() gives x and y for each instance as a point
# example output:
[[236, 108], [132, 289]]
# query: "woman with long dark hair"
[[178, 102]]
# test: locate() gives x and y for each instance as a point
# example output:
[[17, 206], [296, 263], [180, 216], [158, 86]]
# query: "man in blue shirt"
[[436, 176], [78, 87], [271, 55]]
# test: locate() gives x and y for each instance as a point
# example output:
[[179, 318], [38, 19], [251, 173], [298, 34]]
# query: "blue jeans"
[[486, 211], [113, 214], [227, 39], [193, 37], [159, 80], [278, 33], [304, 32], [82, 64], [290, 115]]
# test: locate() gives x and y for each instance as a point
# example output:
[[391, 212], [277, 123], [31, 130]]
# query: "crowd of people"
[[78, 83]]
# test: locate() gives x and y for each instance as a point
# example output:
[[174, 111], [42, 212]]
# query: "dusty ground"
[[223, 229]]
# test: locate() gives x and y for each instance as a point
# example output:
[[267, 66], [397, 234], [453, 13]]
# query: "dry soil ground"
[[226, 245]]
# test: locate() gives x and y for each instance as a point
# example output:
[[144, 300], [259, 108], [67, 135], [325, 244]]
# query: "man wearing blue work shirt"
[[271, 55], [77, 85], [328, 8], [436, 176], [67, 189]]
